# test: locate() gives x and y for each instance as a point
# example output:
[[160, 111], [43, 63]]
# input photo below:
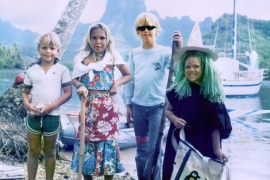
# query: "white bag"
[[190, 164]]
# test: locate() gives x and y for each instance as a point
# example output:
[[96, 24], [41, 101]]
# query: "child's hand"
[[220, 155], [113, 89], [179, 123], [32, 109], [129, 114], [177, 37], [82, 92], [43, 110]]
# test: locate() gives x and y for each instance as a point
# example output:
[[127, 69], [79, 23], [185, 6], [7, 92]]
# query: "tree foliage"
[[11, 58], [251, 35]]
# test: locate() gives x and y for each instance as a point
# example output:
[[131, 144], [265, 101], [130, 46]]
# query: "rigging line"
[[216, 34], [249, 36], [226, 33]]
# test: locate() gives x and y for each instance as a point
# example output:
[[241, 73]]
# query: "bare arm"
[[26, 101], [216, 146], [178, 122], [129, 113], [126, 77]]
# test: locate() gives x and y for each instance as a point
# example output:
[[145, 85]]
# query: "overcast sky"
[[42, 15]]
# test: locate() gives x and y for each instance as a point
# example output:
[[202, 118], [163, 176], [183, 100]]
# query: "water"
[[248, 147]]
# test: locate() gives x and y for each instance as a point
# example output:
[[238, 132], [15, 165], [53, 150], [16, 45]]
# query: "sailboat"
[[238, 82]]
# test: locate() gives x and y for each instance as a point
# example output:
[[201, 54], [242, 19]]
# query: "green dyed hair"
[[211, 86]]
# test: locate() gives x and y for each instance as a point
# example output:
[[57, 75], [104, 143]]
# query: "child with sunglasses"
[[145, 94]]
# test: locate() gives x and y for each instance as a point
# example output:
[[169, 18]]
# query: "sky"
[[42, 15]]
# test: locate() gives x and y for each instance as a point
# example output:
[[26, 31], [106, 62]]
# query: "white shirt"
[[149, 69], [47, 87]]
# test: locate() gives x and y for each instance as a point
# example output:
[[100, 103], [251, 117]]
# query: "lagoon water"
[[248, 147]]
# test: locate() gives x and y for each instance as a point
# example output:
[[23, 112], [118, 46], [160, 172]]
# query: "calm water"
[[249, 144]]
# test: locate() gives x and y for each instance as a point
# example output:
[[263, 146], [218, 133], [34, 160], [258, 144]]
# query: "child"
[[145, 94], [42, 98], [196, 102], [94, 78]]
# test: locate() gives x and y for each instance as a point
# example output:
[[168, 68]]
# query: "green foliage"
[[251, 35], [11, 58]]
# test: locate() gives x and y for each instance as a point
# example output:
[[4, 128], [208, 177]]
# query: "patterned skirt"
[[100, 158]]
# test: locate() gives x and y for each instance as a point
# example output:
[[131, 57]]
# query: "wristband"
[[81, 84]]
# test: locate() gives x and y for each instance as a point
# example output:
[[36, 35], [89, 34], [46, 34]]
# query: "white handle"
[[207, 171]]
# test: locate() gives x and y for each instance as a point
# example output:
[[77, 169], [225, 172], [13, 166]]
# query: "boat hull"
[[241, 88], [70, 126]]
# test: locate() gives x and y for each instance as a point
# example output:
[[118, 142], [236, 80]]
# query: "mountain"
[[25, 38], [120, 16]]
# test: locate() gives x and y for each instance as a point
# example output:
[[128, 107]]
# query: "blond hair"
[[51, 38], [149, 19], [109, 41]]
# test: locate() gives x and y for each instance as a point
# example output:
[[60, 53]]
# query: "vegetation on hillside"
[[251, 35], [11, 58]]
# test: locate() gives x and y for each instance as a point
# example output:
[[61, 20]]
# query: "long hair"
[[109, 42], [211, 86]]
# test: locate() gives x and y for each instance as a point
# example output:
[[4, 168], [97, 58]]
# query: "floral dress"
[[102, 156]]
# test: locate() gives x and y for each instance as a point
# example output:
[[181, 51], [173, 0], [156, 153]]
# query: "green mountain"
[[120, 16], [252, 34]]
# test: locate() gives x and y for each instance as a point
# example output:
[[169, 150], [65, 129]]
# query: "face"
[[98, 40], [47, 52], [147, 34], [193, 70]]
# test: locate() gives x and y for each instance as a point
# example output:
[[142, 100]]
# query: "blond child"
[[94, 78], [145, 94], [42, 97]]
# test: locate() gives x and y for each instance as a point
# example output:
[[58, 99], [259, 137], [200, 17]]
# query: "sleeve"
[[222, 121], [66, 76], [129, 87], [171, 96], [168, 57], [27, 80]]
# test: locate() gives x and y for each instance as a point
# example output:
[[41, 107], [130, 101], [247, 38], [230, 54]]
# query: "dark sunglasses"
[[149, 28]]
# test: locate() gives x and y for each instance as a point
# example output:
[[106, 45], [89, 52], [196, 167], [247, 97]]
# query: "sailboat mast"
[[234, 31]]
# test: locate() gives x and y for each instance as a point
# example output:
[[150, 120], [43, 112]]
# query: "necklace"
[[98, 58]]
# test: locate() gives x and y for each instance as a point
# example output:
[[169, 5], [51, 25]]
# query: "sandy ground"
[[63, 171], [127, 158]]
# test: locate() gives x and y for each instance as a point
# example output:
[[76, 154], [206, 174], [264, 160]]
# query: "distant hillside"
[[259, 39], [120, 16], [25, 38]]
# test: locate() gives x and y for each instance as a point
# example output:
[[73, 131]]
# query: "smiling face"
[[98, 40], [193, 70], [47, 52]]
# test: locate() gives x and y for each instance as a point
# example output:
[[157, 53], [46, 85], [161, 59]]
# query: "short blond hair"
[[51, 38], [149, 19]]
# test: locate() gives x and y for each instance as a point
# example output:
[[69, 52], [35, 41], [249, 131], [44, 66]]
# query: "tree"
[[12, 112]]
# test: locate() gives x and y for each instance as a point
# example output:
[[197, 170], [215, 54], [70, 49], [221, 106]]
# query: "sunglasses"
[[149, 28]]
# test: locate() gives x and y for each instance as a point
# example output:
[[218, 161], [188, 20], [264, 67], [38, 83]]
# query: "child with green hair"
[[196, 102]]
